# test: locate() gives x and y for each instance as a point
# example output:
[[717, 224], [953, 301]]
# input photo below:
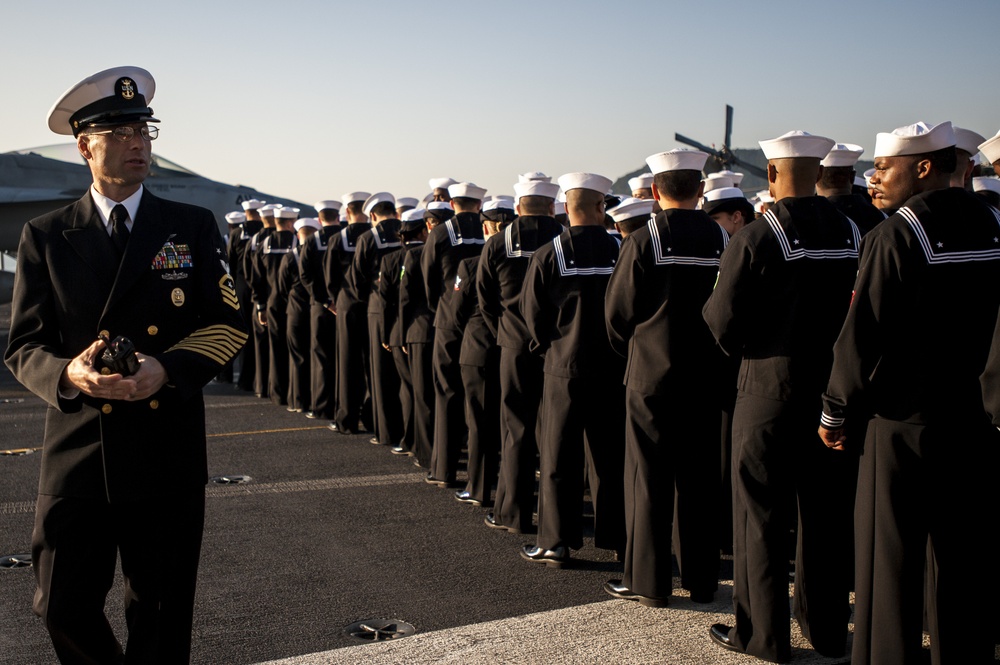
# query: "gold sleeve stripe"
[[221, 348], [223, 344], [215, 357], [218, 343]]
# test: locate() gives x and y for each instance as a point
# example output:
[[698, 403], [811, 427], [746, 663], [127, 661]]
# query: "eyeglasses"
[[125, 133]]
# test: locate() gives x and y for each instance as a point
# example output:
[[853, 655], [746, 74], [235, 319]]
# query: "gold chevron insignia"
[[228, 292]]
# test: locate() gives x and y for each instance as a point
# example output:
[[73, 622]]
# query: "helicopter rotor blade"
[[729, 127], [680, 138], [756, 170]]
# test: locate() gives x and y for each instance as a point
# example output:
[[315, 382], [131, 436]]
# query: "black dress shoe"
[[311, 415], [332, 426], [619, 590], [400, 450], [491, 521], [719, 632], [556, 558], [463, 496], [431, 480], [417, 463], [373, 441]]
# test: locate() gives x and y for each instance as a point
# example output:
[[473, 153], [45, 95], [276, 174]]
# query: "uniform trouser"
[[422, 374], [482, 413], [277, 339], [247, 357], [402, 362], [725, 520], [386, 407], [159, 542], [671, 492], [449, 405], [323, 379], [262, 356], [352, 365], [581, 412], [778, 459], [917, 481], [299, 333], [521, 381]]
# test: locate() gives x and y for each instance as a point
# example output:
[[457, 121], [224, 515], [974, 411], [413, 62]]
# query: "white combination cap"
[[375, 199], [914, 139], [843, 154], [796, 143], [466, 190], [252, 204], [630, 208], [737, 178], [991, 148], [498, 203], [724, 193], [310, 222], [286, 212], [407, 201], [413, 215], [715, 181], [986, 184], [967, 140], [235, 218], [641, 181], [678, 159], [441, 183], [592, 181], [327, 204], [355, 196], [114, 96], [536, 188], [533, 176]]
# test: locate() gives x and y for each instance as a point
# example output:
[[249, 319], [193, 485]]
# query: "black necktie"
[[119, 231]]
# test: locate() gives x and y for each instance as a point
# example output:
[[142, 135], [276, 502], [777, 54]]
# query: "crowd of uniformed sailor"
[[665, 354]]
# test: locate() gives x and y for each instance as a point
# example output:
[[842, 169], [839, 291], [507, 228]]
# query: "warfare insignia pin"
[[174, 276], [126, 88], [177, 297]]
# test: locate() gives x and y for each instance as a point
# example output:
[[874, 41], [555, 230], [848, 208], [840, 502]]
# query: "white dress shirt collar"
[[106, 205]]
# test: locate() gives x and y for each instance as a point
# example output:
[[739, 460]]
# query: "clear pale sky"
[[310, 100]]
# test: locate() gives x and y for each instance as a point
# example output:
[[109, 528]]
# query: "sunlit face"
[[441, 194], [114, 163], [645, 193], [894, 181]]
